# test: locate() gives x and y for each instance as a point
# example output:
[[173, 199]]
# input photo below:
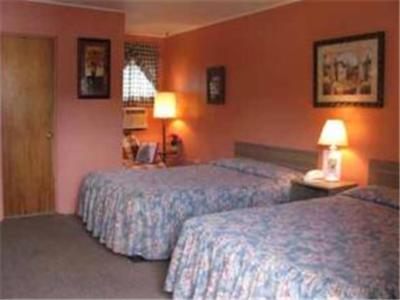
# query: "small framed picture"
[[349, 71], [94, 68], [146, 153], [216, 85]]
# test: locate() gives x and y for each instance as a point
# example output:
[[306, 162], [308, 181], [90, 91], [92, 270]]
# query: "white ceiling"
[[167, 17]]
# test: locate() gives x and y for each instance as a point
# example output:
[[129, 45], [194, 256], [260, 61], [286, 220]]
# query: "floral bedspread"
[[136, 212], [337, 247]]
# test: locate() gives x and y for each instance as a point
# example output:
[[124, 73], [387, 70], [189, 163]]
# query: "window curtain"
[[140, 69]]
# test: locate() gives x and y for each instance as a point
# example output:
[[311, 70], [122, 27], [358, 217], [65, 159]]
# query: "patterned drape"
[[140, 73]]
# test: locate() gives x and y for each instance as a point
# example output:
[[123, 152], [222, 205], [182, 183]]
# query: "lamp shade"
[[165, 105], [333, 133]]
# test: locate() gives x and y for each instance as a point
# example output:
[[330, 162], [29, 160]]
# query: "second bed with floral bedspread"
[[141, 213], [338, 247]]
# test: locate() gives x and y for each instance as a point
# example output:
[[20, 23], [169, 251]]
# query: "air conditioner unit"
[[135, 118]]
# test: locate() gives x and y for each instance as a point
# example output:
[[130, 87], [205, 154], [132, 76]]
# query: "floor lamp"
[[164, 109]]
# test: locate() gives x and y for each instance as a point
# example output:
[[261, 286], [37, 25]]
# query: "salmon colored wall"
[[1, 156], [269, 62], [87, 132]]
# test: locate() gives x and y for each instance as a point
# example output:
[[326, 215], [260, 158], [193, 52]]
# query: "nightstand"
[[301, 190]]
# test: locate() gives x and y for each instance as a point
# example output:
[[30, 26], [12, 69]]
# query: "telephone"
[[313, 175]]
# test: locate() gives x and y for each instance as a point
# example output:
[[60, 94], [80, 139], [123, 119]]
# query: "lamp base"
[[164, 141], [331, 178], [332, 161]]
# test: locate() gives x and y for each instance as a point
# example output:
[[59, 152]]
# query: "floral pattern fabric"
[[378, 194], [136, 212], [257, 168], [336, 247]]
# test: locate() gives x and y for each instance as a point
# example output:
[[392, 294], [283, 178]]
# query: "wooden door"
[[27, 107]]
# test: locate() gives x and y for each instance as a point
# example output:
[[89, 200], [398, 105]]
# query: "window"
[[140, 74]]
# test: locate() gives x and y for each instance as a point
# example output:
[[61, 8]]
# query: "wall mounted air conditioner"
[[135, 118]]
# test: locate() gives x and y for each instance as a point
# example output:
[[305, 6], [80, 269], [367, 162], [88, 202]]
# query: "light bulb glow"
[[333, 134], [165, 105]]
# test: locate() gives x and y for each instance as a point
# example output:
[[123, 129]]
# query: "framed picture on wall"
[[94, 68], [349, 71], [216, 85]]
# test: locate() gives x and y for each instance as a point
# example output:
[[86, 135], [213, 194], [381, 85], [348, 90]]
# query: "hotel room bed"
[[344, 246], [140, 213]]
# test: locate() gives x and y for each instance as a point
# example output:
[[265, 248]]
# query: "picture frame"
[[349, 71], [94, 60], [216, 85], [147, 153]]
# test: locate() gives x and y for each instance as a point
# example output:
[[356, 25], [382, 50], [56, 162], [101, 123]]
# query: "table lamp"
[[333, 135], [164, 109]]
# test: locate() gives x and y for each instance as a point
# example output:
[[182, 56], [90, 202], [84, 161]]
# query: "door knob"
[[49, 135]]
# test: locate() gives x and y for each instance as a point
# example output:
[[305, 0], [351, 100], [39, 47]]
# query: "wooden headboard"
[[384, 173], [301, 160]]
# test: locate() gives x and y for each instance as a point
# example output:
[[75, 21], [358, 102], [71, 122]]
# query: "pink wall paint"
[[1, 156], [269, 85], [87, 132], [269, 60]]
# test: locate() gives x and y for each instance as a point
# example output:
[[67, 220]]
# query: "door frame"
[[54, 110]]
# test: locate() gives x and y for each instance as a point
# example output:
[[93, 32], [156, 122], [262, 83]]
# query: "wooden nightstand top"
[[326, 185]]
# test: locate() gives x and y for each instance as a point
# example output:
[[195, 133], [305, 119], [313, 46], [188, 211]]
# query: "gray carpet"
[[54, 257]]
